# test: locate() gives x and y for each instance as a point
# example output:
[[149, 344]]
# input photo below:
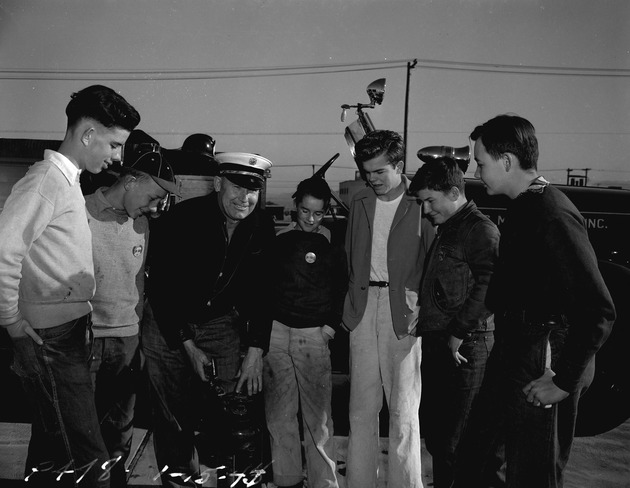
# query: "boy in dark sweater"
[[309, 285], [552, 311]]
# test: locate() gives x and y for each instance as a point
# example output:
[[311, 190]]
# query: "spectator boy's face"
[[236, 202], [104, 147], [310, 213], [438, 206], [382, 176], [143, 196], [490, 171]]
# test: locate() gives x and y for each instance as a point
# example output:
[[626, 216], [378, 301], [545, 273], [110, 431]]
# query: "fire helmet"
[[200, 144]]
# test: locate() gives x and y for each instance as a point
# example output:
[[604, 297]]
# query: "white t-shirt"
[[383, 218]]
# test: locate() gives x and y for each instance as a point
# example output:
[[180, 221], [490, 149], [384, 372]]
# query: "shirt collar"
[[294, 226], [67, 167], [538, 185], [103, 205], [460, 214]]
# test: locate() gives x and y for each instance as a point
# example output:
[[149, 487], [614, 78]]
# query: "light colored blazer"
[[409, 240]]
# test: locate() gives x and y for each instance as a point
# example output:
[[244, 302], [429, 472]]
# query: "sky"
[[270, 76]]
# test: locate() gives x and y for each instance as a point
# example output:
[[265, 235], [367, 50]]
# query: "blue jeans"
[[298, 376], [448, 394], [177, 391], [65, 434], [115, 368], [538, 440]]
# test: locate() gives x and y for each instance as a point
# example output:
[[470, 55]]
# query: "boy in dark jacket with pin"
[[309, 286]]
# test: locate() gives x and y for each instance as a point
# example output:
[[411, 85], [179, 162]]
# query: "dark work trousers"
[[175, 391], [537, 440], [66, 441], [115, 372], [448, 394]]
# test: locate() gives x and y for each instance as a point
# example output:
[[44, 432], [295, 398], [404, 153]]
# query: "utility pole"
[[577, 180], [410, 65]]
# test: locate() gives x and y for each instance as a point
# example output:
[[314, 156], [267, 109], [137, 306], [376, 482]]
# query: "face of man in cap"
[[236, 202]]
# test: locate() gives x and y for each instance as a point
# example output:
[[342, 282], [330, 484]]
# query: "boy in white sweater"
[[117, 216], [46, 282]]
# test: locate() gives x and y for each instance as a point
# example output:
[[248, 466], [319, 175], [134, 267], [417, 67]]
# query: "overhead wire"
[[301, 70]]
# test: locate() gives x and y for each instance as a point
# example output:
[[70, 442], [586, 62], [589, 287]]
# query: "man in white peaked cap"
[[207, 291]]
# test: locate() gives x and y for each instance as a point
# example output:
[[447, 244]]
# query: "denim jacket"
[[457, 273]]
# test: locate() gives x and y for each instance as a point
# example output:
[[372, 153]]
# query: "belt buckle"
[[380, 284]]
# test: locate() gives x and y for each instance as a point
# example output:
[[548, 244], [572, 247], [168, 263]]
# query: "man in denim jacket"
[[455, 325]]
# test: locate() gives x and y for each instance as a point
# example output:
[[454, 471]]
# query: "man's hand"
[[198, 359], [251, 371], [453, 345], [328, 333], [543, 392], [23, 329]]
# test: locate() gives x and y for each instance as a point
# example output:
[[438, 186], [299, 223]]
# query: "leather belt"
[[212, 315], [380, 284], [533, 317]]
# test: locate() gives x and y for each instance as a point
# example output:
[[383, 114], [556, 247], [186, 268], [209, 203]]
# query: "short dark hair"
[[439, 175], [509, 133], [314, 186], [138, 175], [379, 142], [104, 105]]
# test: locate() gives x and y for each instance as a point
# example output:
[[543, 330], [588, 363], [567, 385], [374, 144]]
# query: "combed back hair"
[[104, 105], [379, 142], [439, 175], [509, 133], [315, 187]]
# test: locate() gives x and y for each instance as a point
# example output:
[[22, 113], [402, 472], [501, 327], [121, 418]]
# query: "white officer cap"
[[244, 169]]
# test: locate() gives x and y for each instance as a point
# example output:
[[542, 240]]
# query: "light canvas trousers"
[[379, 361], [298, 378]]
